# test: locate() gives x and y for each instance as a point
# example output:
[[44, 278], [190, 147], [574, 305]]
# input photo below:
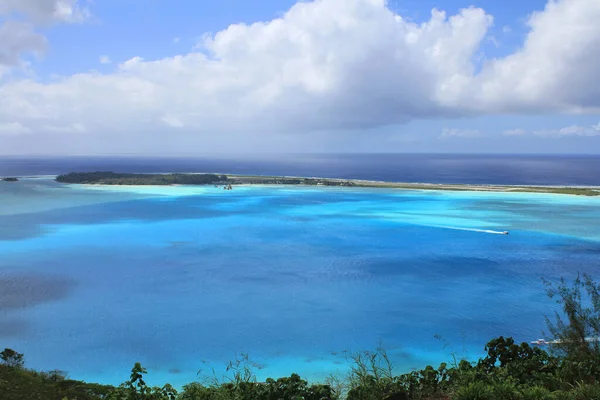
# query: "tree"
[[11, 358], [136, 389], [577, 338], [521, 362]]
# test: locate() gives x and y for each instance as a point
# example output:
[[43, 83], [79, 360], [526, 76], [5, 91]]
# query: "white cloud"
[[17, 38], [176, 40], [506, 29], [460, 133], [515, 132], [493, 41], [172, 121], [12, 128], [72, 128], [105, 60], [553, 70], [18, 20], [328, 65], [573, 130], [46, 11]]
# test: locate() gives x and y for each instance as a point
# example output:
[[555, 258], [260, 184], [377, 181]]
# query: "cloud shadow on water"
[[27, 290]]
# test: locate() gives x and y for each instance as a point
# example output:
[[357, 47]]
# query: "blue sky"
[[185, 76]]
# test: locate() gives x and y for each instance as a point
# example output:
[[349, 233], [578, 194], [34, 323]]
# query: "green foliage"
[[536, 393], [561, 190], [505, 391], [293, 388], [586, 392], [21, 384], [136, 389], [474, 391], [521, 363], [11, 358], [426, 383], [560, 395], [240, 383], [371, 376], [112, 178], [577, 338]]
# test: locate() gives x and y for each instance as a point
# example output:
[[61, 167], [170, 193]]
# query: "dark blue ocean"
[[93, 279], [431, 168]]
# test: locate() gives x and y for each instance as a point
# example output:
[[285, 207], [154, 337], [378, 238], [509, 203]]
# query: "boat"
[[544, 342], [540, 342], [505, 232]]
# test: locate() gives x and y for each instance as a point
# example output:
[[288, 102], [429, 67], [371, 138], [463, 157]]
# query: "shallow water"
[[93, 279]]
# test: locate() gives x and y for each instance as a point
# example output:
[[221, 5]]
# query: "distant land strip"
[[113, 178]]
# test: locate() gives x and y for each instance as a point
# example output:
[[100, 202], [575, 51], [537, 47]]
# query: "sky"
[[158, 77]]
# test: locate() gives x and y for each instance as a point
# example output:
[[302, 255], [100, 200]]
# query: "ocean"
[[183, 279], [577, 170]]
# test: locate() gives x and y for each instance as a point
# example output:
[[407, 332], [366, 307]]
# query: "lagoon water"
[[93, 279]]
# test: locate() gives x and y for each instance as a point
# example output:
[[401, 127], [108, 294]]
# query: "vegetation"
[[509, 371], [577, 338], [18, 383], [280, 180], [582, 191], [112, 178], [7, 179]]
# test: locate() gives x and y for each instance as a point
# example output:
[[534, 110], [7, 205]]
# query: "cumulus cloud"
[[327, 65], [460, 133], [552, 71], [105, 60]]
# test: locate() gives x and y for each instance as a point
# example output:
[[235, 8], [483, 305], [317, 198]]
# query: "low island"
[[228, 181], [7, 179]]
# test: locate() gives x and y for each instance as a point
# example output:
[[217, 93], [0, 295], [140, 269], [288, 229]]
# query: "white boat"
[[540, 342], [544, 342]]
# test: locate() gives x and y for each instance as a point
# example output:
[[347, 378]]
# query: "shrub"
[[536, 393], [474, 391]]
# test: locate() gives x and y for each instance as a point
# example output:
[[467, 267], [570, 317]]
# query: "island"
[[113, 178], [229, 181], [7, 179]]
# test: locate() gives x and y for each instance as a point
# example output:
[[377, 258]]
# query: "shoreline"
[[255, 180], [284, 180]]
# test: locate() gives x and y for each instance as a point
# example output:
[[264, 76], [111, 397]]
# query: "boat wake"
[[472, 230]]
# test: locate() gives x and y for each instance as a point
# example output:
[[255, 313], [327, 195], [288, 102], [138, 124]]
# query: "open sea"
[[181, 279]]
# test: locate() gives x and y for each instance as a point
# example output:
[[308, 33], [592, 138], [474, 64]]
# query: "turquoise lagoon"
[[182, 279]]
